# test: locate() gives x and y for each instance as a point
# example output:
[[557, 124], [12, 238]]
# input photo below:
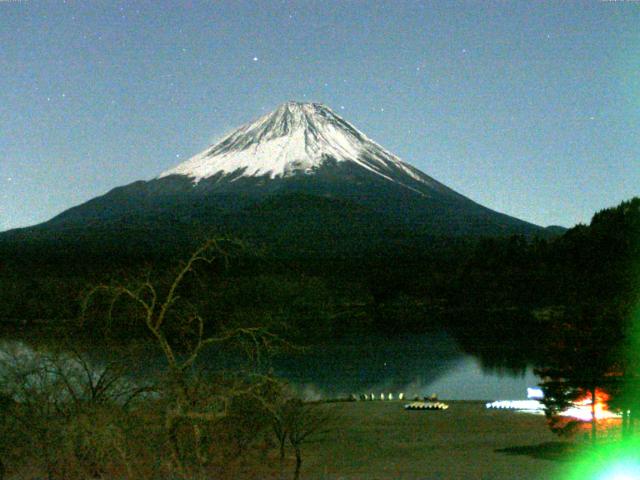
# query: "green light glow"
[[622, 472], [620, 461]]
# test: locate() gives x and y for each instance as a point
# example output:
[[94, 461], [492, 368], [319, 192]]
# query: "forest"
[[565, 306], [390, 289]]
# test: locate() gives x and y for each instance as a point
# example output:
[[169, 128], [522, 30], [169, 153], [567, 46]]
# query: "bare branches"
[[168, 317], [298, 422], [193, 406], [156, 308]]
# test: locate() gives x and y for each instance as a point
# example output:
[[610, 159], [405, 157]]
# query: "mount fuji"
[[300, 178], [299, 139]]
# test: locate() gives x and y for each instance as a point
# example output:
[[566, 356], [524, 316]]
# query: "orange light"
[[583, 406]]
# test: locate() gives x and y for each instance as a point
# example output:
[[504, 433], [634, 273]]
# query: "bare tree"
[[304, 422], [298, 422], [166, 316], [52, 402]]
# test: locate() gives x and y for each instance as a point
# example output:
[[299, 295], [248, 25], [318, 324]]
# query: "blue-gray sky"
[[530, 108]]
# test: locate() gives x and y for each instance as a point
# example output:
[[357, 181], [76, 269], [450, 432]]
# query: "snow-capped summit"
[[296, 138]]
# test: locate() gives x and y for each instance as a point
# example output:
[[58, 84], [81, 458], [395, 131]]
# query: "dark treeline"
[[403, 285]]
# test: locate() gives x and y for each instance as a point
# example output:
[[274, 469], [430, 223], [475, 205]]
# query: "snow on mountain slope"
[[296, 138]]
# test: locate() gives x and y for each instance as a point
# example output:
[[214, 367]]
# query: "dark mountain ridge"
[[300, 172]]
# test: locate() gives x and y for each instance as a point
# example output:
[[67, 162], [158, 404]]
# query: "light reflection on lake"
[[468, 381], [415, 365]]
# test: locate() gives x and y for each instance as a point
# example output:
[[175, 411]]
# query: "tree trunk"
[[282, 441], [174, 442], [47, 459], [593, 415], [626, 423], [296, 475], [282, 454]]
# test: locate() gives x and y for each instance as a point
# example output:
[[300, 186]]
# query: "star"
[[255, 59]]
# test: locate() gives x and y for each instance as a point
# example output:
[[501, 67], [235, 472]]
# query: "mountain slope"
[[300, 173]]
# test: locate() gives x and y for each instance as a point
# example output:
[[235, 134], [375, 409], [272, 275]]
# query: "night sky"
[[529, 108]]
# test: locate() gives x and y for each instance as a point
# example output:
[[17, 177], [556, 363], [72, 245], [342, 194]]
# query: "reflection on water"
[[414, 365], [468, 381], [371, 365]]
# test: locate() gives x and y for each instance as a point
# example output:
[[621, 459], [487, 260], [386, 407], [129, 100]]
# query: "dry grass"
[[380, 440]]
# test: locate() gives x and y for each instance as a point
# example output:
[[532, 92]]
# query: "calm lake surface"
[[414, 365]]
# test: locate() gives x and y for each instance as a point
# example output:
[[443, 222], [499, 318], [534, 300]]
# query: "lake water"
[[414, 365]]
